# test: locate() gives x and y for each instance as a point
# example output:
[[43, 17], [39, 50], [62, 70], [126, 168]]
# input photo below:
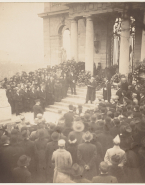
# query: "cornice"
[[52, 13]]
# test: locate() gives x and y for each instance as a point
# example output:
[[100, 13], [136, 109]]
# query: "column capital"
[[88, 17], [73, 19]]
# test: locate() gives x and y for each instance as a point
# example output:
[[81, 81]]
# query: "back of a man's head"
[[103, 167]]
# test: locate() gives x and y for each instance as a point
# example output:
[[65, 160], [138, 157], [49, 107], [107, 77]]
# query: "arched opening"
[[66, 43]]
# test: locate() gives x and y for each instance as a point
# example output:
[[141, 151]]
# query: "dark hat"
[[72, 138], [78, 126], [55, 136], [77, 170], [23, 160], [87, 137]]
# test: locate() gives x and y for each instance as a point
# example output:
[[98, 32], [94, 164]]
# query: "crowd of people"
[[48, 85], [101, 145]]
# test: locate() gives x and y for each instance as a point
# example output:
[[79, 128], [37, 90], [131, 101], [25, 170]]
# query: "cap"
[[61, 142]]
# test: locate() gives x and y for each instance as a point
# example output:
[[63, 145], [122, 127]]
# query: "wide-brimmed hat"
[[23, 160], [87, 136], [72, 139], [55, 136], [77, 170], [78, 126]]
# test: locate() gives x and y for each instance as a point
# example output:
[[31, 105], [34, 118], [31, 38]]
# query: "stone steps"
[[74, 100]]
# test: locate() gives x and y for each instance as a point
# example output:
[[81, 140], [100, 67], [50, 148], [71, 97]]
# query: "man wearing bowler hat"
[[76, 174], [87, 154]]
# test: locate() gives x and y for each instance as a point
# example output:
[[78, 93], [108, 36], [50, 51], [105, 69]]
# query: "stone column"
[[124, 47], [115, 50], [89, 47], [143, 42], [74, 39], [46, 35]]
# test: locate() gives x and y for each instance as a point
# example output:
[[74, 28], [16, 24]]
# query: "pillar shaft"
[[124, 47], [74, 39], [143, 42], [46, 35], [89, 48]]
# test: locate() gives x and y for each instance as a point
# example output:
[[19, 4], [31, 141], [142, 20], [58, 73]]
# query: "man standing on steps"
[[72, 82], [91, 90]]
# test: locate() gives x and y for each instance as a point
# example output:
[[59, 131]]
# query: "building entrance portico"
[[91, 33]]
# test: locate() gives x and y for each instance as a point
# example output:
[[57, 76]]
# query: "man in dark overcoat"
[[57, 91], [5, 172], [10, 97], [21, 173], [91, 90], [65, 85], [50, 148], [26, 100], [42, 96], [29, 150], [107, 91], [18, 102], [87, 154], [33, 97], [69, 116], [11, 155], [50, 91], [72, 82], [37, 108]]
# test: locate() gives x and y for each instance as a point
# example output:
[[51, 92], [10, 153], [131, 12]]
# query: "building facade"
[[92, 35]]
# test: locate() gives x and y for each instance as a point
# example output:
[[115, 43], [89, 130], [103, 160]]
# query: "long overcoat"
[[40, 145], [107, 91], [87, 154], [50, 148], [91, 91]]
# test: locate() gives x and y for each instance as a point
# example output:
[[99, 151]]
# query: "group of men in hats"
[[101, 145], [46, 84]]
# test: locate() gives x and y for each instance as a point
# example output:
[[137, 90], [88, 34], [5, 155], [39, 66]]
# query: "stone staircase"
[[75, 100]]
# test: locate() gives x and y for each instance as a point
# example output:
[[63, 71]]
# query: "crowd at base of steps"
[[47, 85], [105, 144]]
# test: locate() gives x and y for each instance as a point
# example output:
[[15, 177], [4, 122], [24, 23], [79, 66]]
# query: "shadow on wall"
[[8, 69]]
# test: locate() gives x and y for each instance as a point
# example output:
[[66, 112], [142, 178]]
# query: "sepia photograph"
[[72, 92]]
